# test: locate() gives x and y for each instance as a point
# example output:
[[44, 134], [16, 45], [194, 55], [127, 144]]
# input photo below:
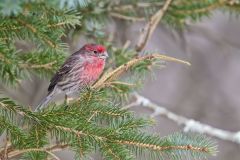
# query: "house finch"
[[81, 69]]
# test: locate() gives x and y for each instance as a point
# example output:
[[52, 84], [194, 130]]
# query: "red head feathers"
[[95, 47]]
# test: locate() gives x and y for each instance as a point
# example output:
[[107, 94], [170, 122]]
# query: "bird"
[[81, 69]]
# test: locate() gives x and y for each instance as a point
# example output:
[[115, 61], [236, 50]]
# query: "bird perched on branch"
[[81, 69]]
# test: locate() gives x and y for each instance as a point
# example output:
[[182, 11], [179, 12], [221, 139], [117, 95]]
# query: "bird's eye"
[[95, 52]]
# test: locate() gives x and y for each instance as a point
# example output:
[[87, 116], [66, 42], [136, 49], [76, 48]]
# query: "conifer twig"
[[188, 124], [49, 150], [211, 7], [37, 66], [123, 68], [35, 31], [141, 5], [5, 156], [208, 8], [124, 17], [57, 24], [90, 118], [3, 58], [161, 148]]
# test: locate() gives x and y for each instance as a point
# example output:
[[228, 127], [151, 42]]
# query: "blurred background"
[[208, 91]]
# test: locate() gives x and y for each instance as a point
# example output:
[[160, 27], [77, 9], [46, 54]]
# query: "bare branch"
[[188, 124], [151, 26]]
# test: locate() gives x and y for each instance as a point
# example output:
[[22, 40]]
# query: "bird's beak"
[[104, 55]]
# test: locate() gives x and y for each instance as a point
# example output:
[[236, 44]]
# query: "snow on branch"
[[188, 124]]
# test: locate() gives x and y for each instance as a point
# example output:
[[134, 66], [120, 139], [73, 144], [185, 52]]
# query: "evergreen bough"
[[95, 121]]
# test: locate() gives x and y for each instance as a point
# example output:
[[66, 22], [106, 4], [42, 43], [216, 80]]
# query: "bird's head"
[[95, 50]]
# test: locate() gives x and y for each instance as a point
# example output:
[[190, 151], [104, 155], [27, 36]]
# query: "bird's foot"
[[67, 101]]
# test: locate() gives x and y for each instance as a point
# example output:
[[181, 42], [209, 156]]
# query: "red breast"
[[94, 69]]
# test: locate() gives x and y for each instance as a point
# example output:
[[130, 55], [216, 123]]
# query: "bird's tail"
[[45, 101]]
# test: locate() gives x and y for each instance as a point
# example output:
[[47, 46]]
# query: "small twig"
[[53, 155], [111, 36], [56, 24], [37, 66], [188, 124], [121, 83], [76, 132], [124, 17], [49, 150], [107, 113], [133, 104], [3, 58], [151, 26], [149, 4], [5, 149], [79, 133], [94, 113], [126, 44], [162, 148], [137, 5]]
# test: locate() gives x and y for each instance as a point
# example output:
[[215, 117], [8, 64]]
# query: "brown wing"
[[63, 71], [58, 76]]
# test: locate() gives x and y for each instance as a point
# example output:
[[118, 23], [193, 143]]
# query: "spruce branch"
[[108, 77], [208, 8], [47, 66], [159, 148], [122, 132], [158, 145], [211, 7], [71, 22], [35, 31]]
